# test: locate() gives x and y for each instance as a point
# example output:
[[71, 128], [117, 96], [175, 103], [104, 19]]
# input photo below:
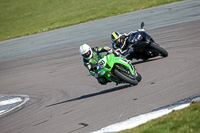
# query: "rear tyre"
[[161, 50], [124, 78]]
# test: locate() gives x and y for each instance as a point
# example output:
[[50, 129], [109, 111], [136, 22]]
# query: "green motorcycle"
[[118, 70]]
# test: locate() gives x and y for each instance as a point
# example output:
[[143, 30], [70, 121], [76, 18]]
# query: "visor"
[[87, 55]]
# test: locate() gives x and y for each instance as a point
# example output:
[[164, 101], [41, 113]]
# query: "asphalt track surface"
[[65, 99]]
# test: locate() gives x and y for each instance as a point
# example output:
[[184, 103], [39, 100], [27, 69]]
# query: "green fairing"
[[106, 65]]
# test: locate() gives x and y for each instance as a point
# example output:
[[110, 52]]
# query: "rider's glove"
[[110, 51]]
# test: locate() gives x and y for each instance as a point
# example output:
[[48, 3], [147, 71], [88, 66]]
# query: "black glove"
[[110, 51]]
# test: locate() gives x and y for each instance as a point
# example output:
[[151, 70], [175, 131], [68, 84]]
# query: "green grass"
[[182, 121], [25, 17]]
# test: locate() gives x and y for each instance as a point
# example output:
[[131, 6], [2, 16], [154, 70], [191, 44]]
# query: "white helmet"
[[86, 51]]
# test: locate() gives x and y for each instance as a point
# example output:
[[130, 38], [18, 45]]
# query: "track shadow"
[[92, 95], [145, 61]]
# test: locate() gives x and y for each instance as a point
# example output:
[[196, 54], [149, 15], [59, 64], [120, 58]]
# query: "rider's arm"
[[128, 34], [89, 67], [114, 46], [108, 50], [103, 49]]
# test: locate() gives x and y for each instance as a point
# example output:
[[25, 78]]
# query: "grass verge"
[[25, 17], [182, 121]]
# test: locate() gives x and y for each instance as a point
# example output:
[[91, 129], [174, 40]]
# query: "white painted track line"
[[12, 102], [141, 119]]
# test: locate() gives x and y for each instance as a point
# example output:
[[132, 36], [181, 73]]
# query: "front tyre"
[[124, 77], [138, 77], [161, 50]]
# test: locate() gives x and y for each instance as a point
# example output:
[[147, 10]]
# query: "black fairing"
[[141, 47], [146, 37]]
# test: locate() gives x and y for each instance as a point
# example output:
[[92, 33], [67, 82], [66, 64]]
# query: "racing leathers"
[[123, 46], [92, 63]]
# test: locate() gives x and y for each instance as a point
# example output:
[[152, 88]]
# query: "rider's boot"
[[103, 81]]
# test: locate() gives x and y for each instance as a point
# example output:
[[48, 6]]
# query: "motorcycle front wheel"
[[161, 50], [124, 78], [138, 77]]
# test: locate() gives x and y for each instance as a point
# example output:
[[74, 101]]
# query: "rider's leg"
[[102, 80], [128, 57]]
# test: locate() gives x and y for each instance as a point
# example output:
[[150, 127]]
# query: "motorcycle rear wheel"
[[124, 78], [161, 50]]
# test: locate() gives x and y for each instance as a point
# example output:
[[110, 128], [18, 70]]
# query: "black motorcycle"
[[142, 46]]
